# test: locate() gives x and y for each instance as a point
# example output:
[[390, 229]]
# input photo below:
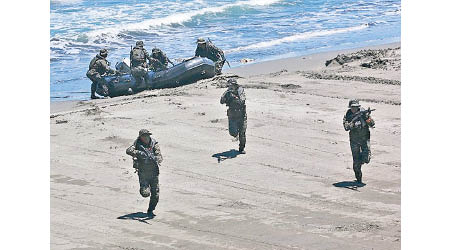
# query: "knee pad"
[[234, 134], [145, 192]]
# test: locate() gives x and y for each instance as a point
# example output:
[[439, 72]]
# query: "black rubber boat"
[[187, 72]]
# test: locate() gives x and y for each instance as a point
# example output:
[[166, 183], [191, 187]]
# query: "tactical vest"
[[149, 167], [358, 133], [94, 66]]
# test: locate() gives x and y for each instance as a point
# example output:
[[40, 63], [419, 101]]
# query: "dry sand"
[[281, 195]]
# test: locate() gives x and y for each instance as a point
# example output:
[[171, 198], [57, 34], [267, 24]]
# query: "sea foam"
[[296, 37], [178, 18]]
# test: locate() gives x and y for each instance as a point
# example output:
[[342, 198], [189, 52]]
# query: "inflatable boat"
[[189, 71]]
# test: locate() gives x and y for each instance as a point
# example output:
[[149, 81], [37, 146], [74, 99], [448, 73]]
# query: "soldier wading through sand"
[[357, 121], [146, 160], [234, 98], [98, 67], [210, 51]]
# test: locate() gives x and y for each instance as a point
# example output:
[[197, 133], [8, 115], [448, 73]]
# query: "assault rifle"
[[361, 115], [149, 155], [169, 61]]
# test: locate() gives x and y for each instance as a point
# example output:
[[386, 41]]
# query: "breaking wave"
[[296, 37], [114, 35], [178, 18]]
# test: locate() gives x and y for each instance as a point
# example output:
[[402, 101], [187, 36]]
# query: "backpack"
[[92, 63], [215, 50], [138, 55]]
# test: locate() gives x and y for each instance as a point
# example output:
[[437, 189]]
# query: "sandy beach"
[[292, 190]]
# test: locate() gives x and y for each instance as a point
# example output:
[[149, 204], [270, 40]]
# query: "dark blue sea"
[[260, 30]]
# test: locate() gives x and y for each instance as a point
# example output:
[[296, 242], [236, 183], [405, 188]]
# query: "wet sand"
[[292, 190]]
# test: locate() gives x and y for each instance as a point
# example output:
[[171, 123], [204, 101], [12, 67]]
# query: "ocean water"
[[257, 29]]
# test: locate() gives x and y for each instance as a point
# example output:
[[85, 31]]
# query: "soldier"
[[139, 66], [97, 68], [357, 121], [160, 62], [234, 98], [146, 160], [210, 51]]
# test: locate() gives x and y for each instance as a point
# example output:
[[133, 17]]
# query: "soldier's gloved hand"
[[350, 125]]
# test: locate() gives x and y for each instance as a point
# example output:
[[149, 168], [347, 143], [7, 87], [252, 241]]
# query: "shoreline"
[[312, 61]]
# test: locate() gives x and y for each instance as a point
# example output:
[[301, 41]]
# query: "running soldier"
[[146, 160], [358, 121], [234, 98]]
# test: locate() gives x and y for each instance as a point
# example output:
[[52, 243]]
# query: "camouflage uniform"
[[359, 134], [211, 52], [98, 67], [147, 168], [138, 59], [234, 98], [160, 60]]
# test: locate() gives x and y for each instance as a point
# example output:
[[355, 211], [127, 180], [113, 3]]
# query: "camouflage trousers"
[[97, 82], [140, 75], [149, 186], [361, 154], [219, 66], [237, 127]]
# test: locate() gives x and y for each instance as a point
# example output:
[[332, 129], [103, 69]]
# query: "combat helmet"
[[232, 81], [354, 103], [201, 40], [144, 132], [139, 43], [103, 52]]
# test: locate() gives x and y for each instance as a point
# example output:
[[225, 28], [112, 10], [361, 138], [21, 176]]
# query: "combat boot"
[[241, 150], [93, 88], [150, 213], [359, 177]]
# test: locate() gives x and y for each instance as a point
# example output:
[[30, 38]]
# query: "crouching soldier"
[[159, 60], [146, 160], [210, 51], [234, 98], [98, 67], [358, 121]]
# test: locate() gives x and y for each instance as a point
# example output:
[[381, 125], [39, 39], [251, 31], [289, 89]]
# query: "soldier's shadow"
[[353, 185], [138, 216], [232, 153]]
